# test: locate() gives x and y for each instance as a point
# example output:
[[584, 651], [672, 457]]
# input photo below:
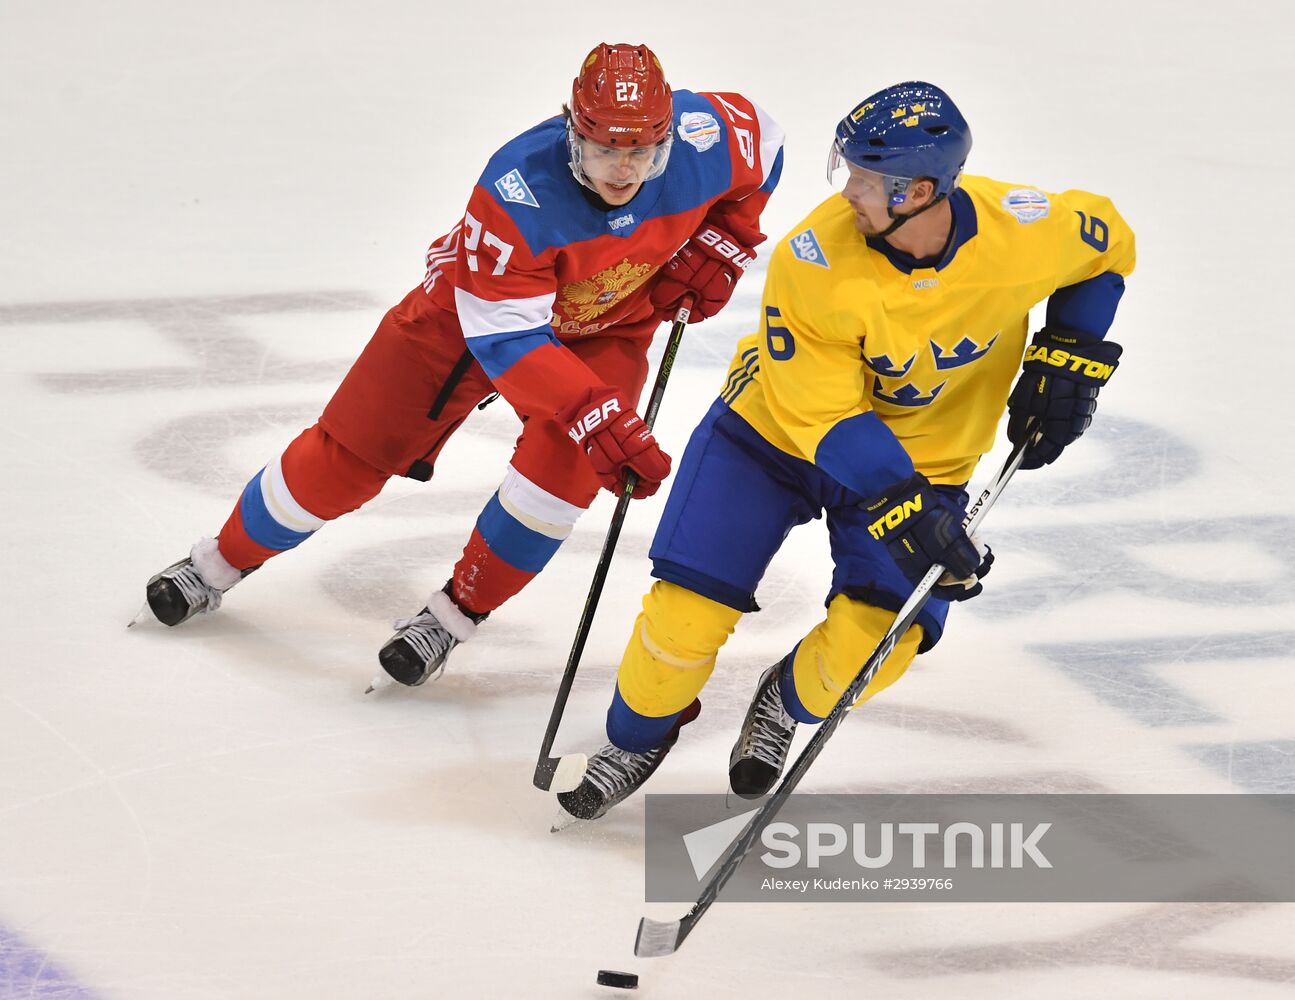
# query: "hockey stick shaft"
[[546, 766], [657, 938]]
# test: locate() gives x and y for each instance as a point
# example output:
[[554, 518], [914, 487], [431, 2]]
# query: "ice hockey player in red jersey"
[[580, 237]]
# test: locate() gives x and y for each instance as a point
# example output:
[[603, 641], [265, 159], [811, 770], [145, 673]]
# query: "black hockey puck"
[[621, 980]]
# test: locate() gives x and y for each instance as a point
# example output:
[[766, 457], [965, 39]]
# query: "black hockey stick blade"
[[564, 773]]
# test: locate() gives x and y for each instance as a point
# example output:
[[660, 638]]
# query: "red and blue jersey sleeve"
[[504, 298], [755, 144]]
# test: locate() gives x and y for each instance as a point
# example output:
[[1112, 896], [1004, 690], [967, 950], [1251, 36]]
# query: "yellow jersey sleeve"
[[1094, 239]]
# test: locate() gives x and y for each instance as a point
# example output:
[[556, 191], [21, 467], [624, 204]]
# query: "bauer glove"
[[615, 439], [707, 266], [919, 529], [1060, 377]]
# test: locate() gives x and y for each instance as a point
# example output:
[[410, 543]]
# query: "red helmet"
[[621, 97]]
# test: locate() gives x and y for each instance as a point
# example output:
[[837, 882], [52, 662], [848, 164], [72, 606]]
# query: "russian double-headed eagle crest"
[[589, 298]]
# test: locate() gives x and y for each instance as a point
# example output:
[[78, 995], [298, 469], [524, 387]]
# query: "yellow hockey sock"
[[830, 656], [671, 654]]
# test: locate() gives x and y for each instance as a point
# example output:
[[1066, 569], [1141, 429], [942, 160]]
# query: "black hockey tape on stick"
[[562, 774]]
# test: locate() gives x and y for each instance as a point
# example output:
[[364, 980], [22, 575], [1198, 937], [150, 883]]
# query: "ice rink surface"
[[206, 209]]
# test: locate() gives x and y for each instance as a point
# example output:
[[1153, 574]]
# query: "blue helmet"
[[909, 130]]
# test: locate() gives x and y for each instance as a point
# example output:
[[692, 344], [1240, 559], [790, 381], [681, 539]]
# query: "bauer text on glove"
[[616, 439], [707, 266]]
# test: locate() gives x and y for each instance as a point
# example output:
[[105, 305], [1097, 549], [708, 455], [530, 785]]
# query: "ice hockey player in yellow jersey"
[[892, 335]]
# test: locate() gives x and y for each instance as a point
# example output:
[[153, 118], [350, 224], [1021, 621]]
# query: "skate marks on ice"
[[212, 331], [26, 972], [1131, 677], [204, 328], [1151, 939], [1233, 570]]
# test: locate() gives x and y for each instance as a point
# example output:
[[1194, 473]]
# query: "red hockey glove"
[[615, 439], [708, 266]]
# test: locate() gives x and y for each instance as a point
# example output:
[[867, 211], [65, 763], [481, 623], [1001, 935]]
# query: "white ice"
[[206, 209]]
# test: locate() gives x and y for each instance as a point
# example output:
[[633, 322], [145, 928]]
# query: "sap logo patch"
[[1027, 204], [513, 188], [699, 129], [804, 246], [621, 221]]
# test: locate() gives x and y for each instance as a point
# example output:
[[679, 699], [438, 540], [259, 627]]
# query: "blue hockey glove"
[[920, 528], [1060, 377]]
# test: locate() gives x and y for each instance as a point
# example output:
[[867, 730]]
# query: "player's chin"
[[864, 226], [617, 194]]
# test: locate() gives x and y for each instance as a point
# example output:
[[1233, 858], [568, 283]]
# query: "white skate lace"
[[613, 769], [771, 729], [195, 589], [427, 637]]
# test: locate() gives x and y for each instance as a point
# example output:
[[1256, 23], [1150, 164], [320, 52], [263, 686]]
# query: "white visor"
[[894, 188], [617, 164]]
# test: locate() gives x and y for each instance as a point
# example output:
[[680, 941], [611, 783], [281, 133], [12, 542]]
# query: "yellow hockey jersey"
[[849, 328]]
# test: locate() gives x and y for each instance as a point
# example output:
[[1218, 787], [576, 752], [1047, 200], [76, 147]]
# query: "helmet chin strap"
[[898, 220]]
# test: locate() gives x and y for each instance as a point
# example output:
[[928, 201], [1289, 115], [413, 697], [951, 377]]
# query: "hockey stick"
[[564, 773], [656, 937]]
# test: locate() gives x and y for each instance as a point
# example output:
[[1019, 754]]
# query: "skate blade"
[[565, 821]]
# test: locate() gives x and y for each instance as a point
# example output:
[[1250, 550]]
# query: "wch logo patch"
[[804, 246], [699, 129], [1027, 204], [512, 187]]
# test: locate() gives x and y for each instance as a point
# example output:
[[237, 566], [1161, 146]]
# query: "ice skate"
[[615, 774], [192, 586], [760, 752], [422, 644]]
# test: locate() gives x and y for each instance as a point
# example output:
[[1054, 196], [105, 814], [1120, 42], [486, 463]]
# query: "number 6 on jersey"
[[781, 343]]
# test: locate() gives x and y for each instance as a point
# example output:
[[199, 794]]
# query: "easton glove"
[[707, 266], [1060, 377], [615, 439], [919, 529]]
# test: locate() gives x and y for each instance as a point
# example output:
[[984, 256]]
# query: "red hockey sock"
[[482, 580]]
